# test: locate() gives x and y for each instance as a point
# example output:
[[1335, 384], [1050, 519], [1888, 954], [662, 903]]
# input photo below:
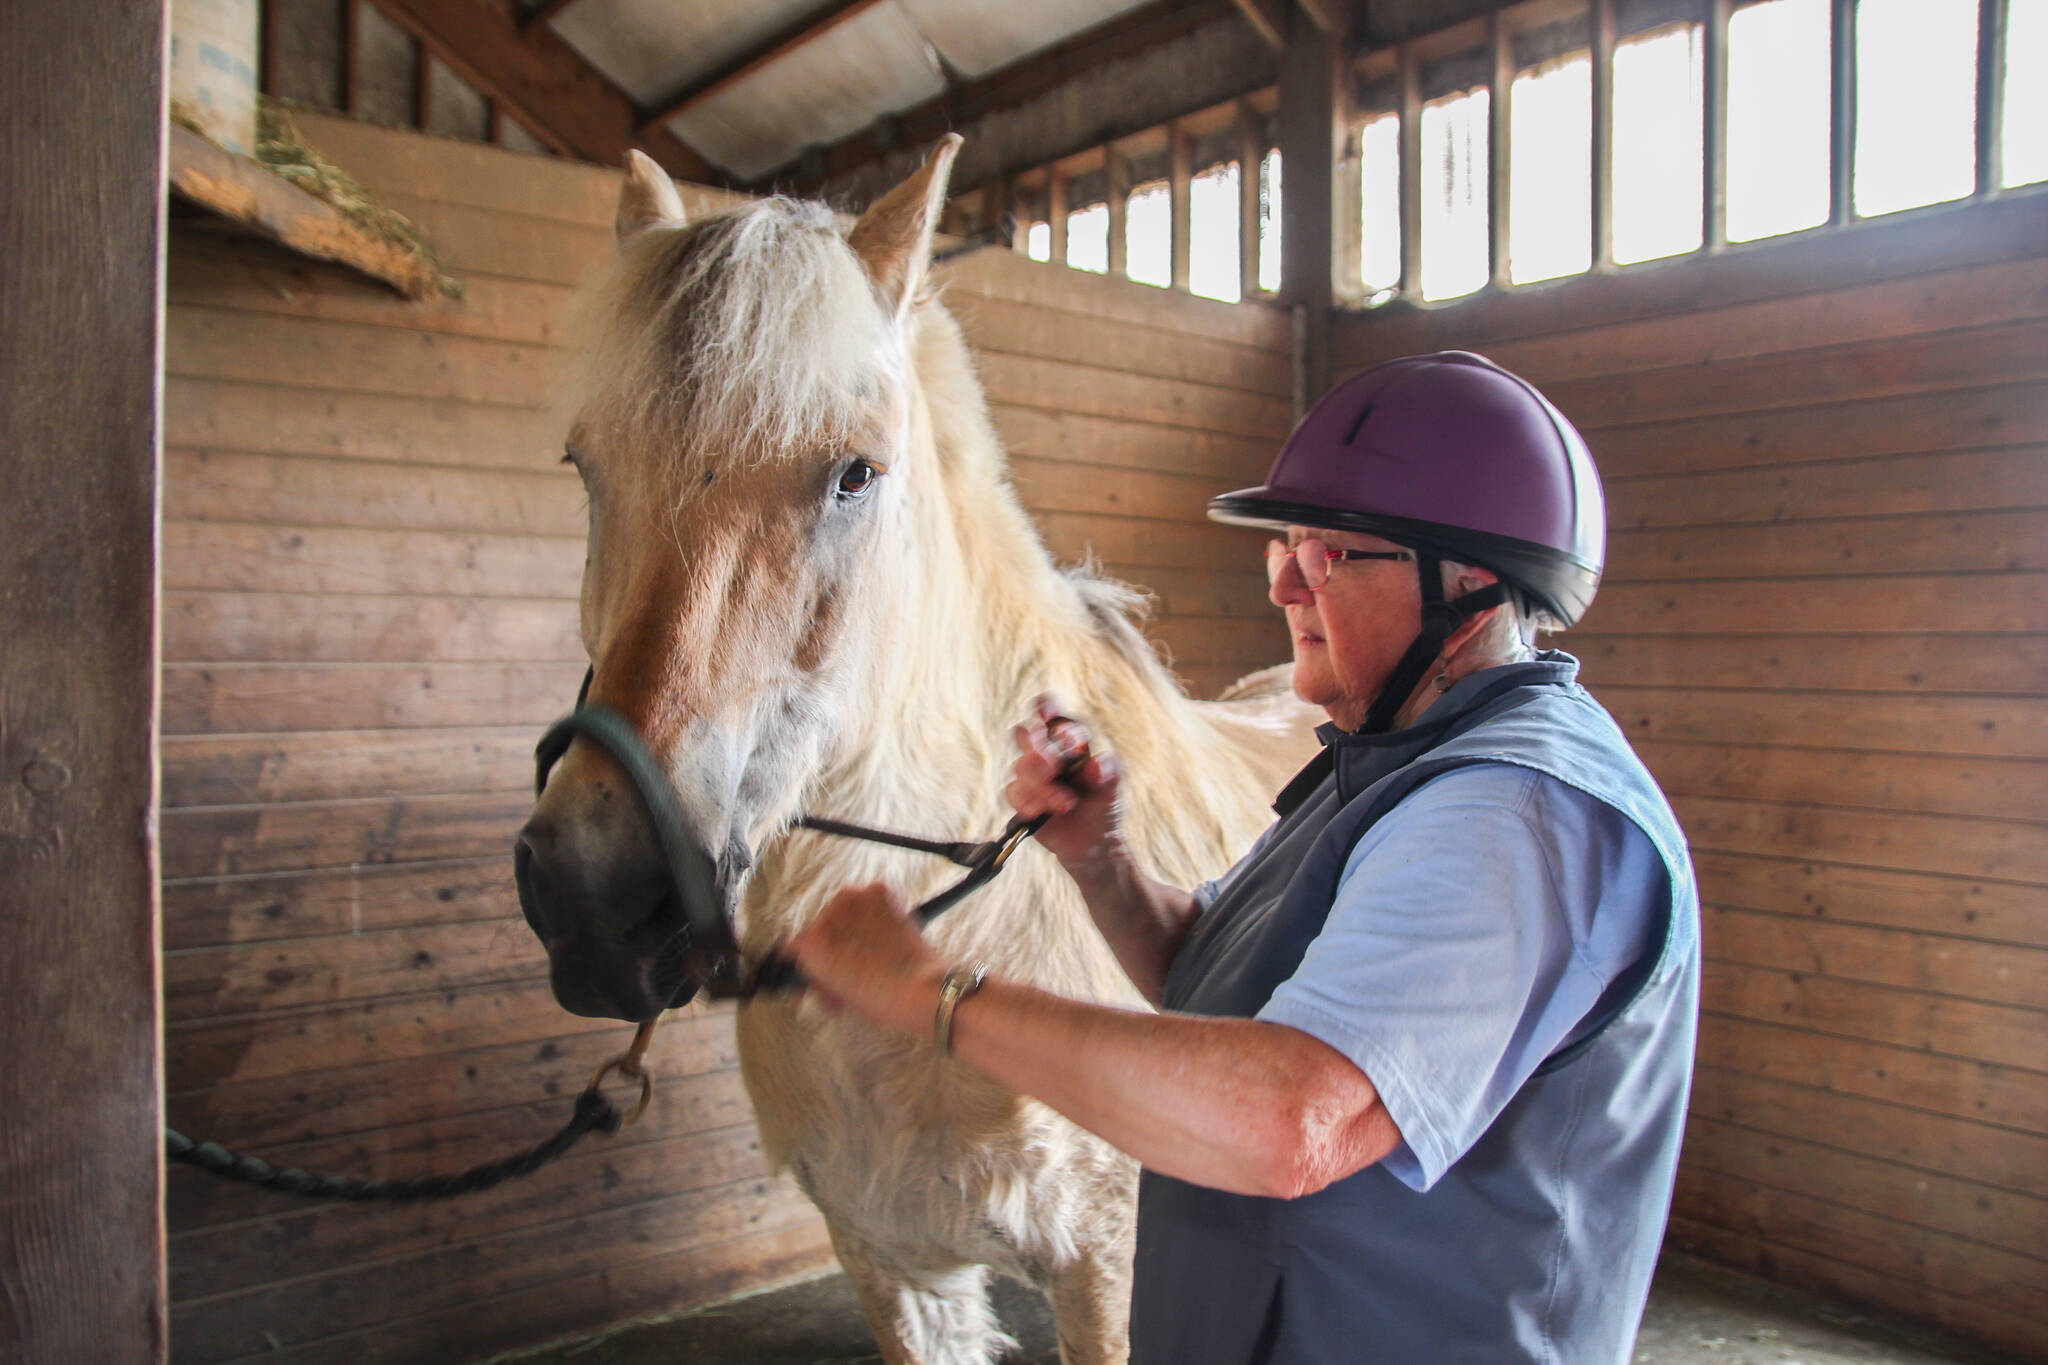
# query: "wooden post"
[[352, 57], [1310, 79], [81, 1167], [1603, 133], [1410, 82], [1251, 157], [1116, 175], [1498, 169], [1714, 127], [1056, 213], [1842, 126], [422, 86], [1181, 174], [1990, 95]]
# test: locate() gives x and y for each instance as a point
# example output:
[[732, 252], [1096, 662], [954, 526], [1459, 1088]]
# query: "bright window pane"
[[1269, 222], [1088, 239], [2026, 92], [1550, 175], [1212, 235], [1038, 242], [1379, 175], [1916, 103], [1148, 234], [1779, 101], [1454, 226], [1659, 119]]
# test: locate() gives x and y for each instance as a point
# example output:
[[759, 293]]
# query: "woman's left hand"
[[865, 953]]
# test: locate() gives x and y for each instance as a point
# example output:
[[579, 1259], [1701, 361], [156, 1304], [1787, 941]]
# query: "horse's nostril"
[[531, 903]]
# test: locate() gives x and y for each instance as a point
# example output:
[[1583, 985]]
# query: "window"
[[2025, 116], [1916, 104], [1088, 238], [1213, 268], [1379, 177], [1550, 170], [1038, 242], [1269, 222], [1779, 118], [1658, 158], [1148, 234], [1455, 249]]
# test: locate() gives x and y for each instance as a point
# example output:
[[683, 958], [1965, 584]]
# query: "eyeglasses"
[[1314, 558]]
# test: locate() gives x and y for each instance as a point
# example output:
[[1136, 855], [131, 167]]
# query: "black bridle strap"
[[961, 853]]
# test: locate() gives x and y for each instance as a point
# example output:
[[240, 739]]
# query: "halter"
[[714, 957]]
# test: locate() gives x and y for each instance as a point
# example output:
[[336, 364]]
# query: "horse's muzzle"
[[617, 943]]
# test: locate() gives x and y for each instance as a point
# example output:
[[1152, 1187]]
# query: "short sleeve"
[[1474, 927]]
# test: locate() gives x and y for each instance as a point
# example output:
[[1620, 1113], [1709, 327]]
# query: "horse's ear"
[[894, 237], [648, 198]]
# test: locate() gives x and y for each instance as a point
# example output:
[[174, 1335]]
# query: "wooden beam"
[[1410, 79], [1117, 177], [81, 1170], [561, 98], [1251, 157], [1268, 19], [352, 58], [1333, 17], [1056, 216], [423, 87], [1603, 133], [1311, 83], [791, 37], [1842, 124], [546, 13], [1499, 170], [1990, 95], [1714, 127], [1180, 177]]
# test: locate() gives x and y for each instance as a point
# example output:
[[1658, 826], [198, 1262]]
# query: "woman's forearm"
[[1144, 921]]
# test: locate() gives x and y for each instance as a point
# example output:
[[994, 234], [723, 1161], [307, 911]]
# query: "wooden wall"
[[370, 573], [1825, 625]]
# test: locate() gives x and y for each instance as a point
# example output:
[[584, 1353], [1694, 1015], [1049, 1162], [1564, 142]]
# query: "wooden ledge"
[[269, 206]]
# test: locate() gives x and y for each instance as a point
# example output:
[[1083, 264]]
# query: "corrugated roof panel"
[[654, 48], [873, 65], [977, 36]]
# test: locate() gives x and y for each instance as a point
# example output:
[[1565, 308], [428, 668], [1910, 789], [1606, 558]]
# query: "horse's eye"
[[857, 478]]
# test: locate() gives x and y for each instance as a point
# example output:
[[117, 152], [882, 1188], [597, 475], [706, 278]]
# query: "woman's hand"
[[1057, 774], [865, 953]]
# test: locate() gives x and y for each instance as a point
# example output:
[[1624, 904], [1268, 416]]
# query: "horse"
[[812, 588]]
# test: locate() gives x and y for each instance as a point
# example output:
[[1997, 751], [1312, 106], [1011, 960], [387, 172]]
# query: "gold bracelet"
[[959, 983]]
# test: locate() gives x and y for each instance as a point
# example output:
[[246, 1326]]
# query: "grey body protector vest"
[[1537, 1244]]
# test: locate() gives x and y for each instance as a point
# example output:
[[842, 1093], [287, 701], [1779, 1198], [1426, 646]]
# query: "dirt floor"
[[1698, 1315]]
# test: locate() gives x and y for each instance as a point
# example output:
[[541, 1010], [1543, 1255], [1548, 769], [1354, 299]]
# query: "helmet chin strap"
[[1440, 621]]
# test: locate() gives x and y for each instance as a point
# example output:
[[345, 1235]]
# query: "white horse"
[[812, 589]]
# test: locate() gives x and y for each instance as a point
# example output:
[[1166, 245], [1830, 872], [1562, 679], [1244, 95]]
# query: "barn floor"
[[1698, 1315]]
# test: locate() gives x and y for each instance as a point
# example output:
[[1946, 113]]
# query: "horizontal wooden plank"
[[1965, 1029], [219, 415], [291, 490], [1978, 356], [249, 557], [1890, 1300], [1003, 326], [1939, 301], [1067, 386], [669, 1282], [1965, 1209], [1905, 246], [1976, 542], [1956, 1086], [218, 910], [315, 353], [2003, 789], [267, 1319], [1858, 429], [1914, 1139], [1045, 433], [1818, 607], [1969, 481], [1950, 1265], [379, 1102], [1239, 595], [237, 698], [207, 273], [483, 241], [1923, 663], [292, 973], [1153, 545], [1208, 681], [223, 841], [209, 770], [1997, 727], [342, 627], [2000, 850], [1247, 644], [1068, 486], [208, 1052], [1998, 973], [1997, 912], [306, 1244]]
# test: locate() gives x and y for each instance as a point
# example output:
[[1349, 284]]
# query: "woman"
[[1416, 1087]]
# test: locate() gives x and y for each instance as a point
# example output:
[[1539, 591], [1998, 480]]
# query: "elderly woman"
[[1416, 1085]]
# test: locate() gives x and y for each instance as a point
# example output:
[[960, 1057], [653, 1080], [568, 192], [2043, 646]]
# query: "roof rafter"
[[803, 32]]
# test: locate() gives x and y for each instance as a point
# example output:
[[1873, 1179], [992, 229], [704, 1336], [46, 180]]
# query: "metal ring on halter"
[[630, 1070]]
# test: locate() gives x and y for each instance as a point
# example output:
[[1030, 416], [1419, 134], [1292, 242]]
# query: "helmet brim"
[[1563, 584]]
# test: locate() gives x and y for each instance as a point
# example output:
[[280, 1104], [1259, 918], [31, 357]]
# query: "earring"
[[1442, 681]]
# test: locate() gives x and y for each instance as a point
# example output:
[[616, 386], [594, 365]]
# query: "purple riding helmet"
[[1455, 458]]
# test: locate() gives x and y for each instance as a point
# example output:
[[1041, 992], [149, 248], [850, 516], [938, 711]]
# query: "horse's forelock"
[[736, 339]]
